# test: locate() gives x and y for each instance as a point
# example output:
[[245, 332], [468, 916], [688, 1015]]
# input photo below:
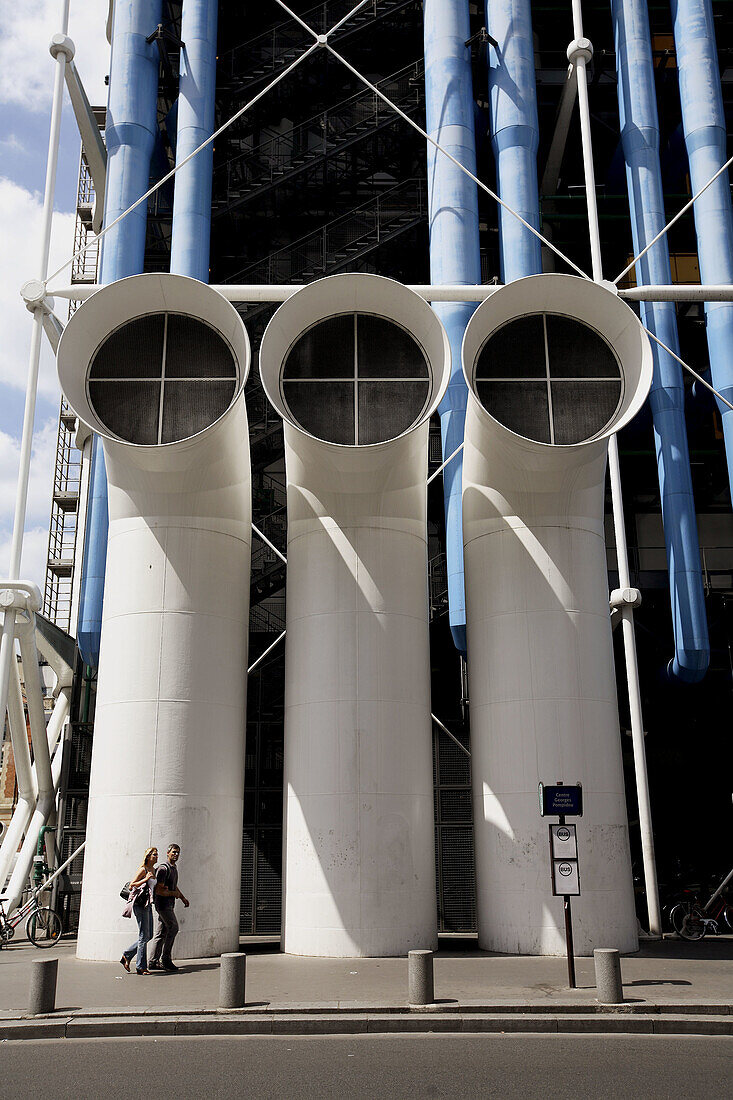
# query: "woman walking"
[[141, 904]]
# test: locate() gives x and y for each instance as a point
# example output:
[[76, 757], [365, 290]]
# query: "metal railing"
[[276, 47], [58, 587], [319, 136], [346, 237], [438, 585]]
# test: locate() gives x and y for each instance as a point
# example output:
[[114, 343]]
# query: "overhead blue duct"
[[640, 140], [514, 133], [454, 248], [703, 119], [196, 107], [130, 134]]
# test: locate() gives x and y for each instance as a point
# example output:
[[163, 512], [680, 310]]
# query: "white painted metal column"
[[359, 861], [62, 50], [579, 52], [169, 739], [542, 682]]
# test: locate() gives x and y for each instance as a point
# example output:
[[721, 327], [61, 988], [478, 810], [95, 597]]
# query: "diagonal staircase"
[[263, 57], [344, 240], [282, 158]]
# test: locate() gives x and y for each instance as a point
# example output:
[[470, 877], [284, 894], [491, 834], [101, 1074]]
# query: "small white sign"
[[565, 877], [563, 841]]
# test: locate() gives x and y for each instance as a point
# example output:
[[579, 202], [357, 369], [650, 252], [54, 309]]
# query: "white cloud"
[[40, 487], [20, 231], [26, 67]]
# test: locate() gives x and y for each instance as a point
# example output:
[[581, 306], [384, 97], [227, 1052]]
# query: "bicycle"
[[42, 925], [692, 921]]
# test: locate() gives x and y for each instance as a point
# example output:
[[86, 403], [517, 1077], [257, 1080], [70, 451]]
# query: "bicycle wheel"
[[43, 928], [727, 916], [677, 915], [693, 926]]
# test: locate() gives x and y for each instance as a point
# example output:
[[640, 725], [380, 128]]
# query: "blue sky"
[[26, 83]]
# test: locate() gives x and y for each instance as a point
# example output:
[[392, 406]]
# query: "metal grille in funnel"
[[356, 379], [161, 378], [549, 378]]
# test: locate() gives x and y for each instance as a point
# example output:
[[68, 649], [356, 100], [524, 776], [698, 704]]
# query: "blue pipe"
[[130, 133], [703, 120], [454, 248], [196, 103], [514, 133], [640, 140]]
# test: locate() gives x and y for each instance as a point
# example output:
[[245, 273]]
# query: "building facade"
[[321, 176]]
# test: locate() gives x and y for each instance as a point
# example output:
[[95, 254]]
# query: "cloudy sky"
[[26, 83]]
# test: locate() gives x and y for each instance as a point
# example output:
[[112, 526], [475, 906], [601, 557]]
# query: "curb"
[[565, 1019]]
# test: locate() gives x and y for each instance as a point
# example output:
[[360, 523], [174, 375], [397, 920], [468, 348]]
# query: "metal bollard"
[[420, 977], [42, 996], [608, 976], [232, 980]]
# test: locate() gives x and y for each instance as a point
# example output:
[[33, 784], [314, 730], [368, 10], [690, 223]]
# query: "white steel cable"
[[443, 465], [475, 179], [151, 191], [670, 223], [320, 41], [272, 546], [687, 367]]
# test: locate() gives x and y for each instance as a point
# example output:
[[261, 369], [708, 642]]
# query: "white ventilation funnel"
[[554, 365], [156, 364], [355, 365]]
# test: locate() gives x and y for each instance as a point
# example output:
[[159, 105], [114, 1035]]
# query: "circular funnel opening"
[[356, 379], [550, 378], [161, 378]]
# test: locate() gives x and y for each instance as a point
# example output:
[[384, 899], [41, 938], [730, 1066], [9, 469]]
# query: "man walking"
[[164, 897]]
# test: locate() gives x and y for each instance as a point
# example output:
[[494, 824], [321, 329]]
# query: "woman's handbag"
[[125, 891]]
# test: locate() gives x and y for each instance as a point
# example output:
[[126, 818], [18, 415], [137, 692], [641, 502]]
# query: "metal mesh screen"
[[454, 856], [162, 378], [385, 412], [189, 407], [549, 378], [387, 351], [325, 351], [133, 351], [522, 408], [194, 350], [128, 409], [325, 409], [388, 383], [582, 411], [576, 351], [519, 345]]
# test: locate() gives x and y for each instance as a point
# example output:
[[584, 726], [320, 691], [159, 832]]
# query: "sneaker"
[[171, 966], [154, 965]]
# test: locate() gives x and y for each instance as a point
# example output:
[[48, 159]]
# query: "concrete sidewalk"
[[669, 986]]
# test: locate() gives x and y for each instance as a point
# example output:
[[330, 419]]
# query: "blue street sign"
[[563, 800]]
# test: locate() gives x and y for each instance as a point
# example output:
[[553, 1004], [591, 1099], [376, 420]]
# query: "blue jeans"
[[144, 918]]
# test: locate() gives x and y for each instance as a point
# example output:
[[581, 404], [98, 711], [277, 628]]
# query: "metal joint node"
[[580, 49], [322, 39], [61, 43], [33, 293], [20, 596], [624, 597]]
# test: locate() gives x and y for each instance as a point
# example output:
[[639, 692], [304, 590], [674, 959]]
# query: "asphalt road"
[[422, 1066]]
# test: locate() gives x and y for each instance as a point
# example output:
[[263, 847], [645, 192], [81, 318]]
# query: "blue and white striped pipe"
[[454, 248], [514, 133], [703, 119], [640, 140], [196, 108], [130, 134]]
